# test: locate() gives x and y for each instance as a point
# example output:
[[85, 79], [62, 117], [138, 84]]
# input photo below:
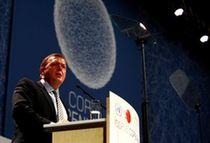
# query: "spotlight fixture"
[[203, 34], [204, 38], [179, 12], [179, 7], [142, 26]]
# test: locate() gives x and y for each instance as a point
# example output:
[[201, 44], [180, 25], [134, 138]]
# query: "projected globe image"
[[86, 38]]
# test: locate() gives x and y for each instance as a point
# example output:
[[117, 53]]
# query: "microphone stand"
[[90, 96]]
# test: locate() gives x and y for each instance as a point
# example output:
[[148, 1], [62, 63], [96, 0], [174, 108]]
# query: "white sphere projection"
[[86, 38]]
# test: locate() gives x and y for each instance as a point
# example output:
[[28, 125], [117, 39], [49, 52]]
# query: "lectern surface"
[[75, 125], [86, 131]]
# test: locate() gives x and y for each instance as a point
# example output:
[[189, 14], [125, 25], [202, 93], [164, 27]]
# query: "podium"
[[121, 125], [86, 131]]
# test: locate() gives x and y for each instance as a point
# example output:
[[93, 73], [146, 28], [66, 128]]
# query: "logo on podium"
[[123, 121]]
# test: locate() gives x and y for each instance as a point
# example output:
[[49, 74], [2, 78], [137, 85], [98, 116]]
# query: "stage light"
[[203, 33], [204, 38], [179, 7], [179, 12], [142, 26]]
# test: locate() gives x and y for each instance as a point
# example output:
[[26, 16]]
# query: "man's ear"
[[42, 73]]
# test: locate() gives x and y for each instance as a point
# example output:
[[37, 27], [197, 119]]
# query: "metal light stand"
[[140, 42], [198, 110], [138, 32]]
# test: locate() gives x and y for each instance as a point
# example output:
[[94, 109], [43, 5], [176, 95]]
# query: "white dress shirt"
[[50, 90]]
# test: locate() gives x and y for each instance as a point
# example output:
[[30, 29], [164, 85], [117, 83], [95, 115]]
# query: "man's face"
[[55, 71]]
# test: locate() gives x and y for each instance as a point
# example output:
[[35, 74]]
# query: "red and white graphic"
[[123, 121], [128, 116]]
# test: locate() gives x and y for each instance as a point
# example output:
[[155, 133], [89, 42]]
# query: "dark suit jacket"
[[32, 107]]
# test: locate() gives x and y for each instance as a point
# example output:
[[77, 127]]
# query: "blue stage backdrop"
[[35, 36], [101, 58]]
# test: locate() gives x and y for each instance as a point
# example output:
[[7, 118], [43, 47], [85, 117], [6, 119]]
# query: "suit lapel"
[[47, 97]]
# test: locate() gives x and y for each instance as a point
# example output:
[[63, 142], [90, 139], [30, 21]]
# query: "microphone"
[[90, 96]]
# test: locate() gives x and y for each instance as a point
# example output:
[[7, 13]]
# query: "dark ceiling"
[[186, 28]]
